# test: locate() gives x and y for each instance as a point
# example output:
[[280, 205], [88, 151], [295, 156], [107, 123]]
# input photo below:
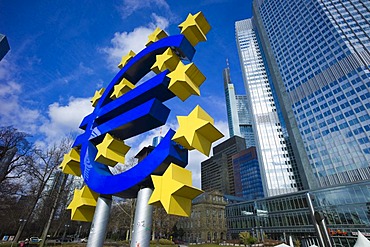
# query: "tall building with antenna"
[[238, 113]]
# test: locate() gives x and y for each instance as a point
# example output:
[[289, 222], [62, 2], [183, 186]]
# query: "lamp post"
[[65, 231], [79, 232], [20, 230]]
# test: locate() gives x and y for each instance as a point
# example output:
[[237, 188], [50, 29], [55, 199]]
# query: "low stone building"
[[207, 222]]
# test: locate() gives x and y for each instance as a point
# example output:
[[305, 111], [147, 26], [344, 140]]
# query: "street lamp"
[[22, 223], [261, 216], [258, 214], [65, 231], [79, 232]]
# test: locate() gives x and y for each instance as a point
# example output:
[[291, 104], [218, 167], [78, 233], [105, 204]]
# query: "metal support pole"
[[315, 224], [324, 231], [100, 222], [143, 219]]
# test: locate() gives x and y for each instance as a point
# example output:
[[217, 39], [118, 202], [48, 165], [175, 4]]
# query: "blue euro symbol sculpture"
[[136, 112]]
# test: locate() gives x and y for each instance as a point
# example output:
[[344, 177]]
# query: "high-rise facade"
[[156, 140], [318, 55], [238, 114], [275, 163], [247, 175], [4, 46], [217, 172]]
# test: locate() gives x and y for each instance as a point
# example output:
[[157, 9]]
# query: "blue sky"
[[62, 51]]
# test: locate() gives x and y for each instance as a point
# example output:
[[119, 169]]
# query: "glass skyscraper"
[[238, 116], [247, 175], [276, 166], [318, 54], [4, 46]]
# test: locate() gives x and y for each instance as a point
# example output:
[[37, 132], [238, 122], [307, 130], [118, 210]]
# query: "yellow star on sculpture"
[[168, 60], [197, 131], [156, 35], [111, 151], [121, 88], [71, 163], [125, 59], [97, 96], [174, 191], [185, 80], [195, 28], [83, 204]]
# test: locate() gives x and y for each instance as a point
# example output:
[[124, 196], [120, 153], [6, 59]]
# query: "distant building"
[[156, 140], [207, 222], [238, 114], [247, 176], [217, 172], [4, 46]]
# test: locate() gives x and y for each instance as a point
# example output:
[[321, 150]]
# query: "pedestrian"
[[26, 242], [21, 244]]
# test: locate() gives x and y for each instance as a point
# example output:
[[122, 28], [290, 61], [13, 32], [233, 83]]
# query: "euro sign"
[[137, 111]]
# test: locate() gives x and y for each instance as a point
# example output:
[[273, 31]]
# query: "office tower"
[[275, 164], [4, 46], [238, 116], [318, 55], [156, 140], [247, 176], [217, 172]]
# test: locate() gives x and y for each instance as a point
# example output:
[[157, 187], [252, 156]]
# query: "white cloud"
[[13, 112], [63, 120], [223, 127], [6, 69], [128, 7], [123, 42]]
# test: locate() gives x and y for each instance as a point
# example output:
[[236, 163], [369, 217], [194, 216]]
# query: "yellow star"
[[126, 58], [197, 131], [156, 35], [111, 151], [97, 96], [185, 80], [121, 88], [71, 163], [174, 191], [83, 204], [168, 60], [195, 28]]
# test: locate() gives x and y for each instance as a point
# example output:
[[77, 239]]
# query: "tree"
[[14, 153], [246, 238], [54, 198], [121, 219], [122, 214], [297, 243], [163, 223], [41, 167]]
